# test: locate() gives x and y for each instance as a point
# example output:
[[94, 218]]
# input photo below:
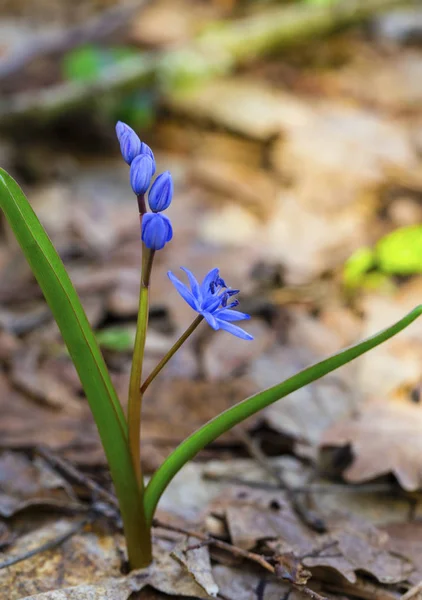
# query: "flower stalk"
[[182, 339]]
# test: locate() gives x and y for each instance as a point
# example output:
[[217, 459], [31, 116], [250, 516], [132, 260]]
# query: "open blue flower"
[[211, 300]]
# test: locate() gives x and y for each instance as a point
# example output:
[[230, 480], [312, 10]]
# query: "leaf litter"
[[319, 173]]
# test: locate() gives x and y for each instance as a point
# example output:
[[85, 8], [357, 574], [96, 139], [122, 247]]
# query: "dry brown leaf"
[[28, 375], [385, 437], [244, 584], [305, 414], [88, 565], [25, 483], [196, 560], [349, 547], [174, 408], [396, 79], [6, 536], [396, 363], [242, 105], [406, 539], [25, 423], [117, 589]]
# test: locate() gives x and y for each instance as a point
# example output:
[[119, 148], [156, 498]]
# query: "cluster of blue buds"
[[156, 227], [211, 299]]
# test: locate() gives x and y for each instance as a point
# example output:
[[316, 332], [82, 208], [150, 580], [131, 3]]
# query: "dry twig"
[[69, 471], [57, 541], [238, 552], [414, 593]]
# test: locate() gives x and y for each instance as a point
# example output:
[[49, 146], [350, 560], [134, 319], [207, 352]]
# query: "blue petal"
[[184, 292], [196, 290], [211, 303], [231, 315], [210, 319], [208, 279], [234, 329], [169, 227]]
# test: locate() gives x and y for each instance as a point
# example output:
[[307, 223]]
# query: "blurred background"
[[293, 131]]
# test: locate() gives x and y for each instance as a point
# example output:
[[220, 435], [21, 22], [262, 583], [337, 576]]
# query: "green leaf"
[[87, 62], [357, 266], [119, 339], [83, 349], [241, 411], [83, 64], [400, 252]]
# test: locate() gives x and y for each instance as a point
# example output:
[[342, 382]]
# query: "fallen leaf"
[[350, 546], [385, 437], [244, 584], [26, 424], [25, 483], [406, 539], [28, 376], [196, 561], [88, 564], [175, 407]]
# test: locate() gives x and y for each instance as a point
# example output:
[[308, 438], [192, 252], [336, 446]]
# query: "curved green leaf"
[[241, 411], [83, 349]]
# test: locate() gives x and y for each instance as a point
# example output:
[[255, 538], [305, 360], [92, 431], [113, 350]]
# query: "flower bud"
[[141, 171], [130, 144], [145, 149], [156, 230], [161, 192]]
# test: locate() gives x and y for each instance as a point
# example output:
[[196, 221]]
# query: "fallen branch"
[[217, 50], [57, 43]]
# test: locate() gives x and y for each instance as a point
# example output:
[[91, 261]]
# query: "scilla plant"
[[212, 300]]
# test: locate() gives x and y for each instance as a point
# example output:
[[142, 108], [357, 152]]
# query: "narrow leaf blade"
[[80, 341], [241, 411]]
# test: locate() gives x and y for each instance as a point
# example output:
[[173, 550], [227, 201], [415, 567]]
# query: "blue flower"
[[141, 171], [161, 192], [156, 230], [211, 300], [130, 144]]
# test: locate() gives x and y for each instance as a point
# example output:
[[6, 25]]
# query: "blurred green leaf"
[[119, 339], [87, 62], [357, 266], [321, 2], [400, 252]]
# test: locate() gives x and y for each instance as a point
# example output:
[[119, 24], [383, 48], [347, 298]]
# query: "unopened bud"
[[156, 230], [141, 171], [161, 192]]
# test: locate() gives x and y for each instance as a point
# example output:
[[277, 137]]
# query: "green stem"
[[135, 395], [137, 531], [241, 411], [171, 352]]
